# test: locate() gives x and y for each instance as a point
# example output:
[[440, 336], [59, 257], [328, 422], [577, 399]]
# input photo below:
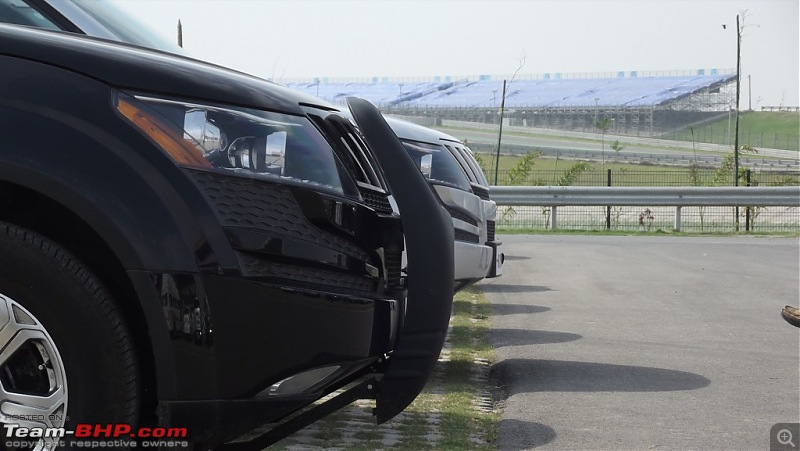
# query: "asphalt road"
[[645, 342]]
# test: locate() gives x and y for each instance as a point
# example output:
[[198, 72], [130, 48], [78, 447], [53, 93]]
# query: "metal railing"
[[749, 204]]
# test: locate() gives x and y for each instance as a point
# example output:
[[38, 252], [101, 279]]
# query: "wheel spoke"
[[15, 342], [9, 327], [40, 404], [48, 409]]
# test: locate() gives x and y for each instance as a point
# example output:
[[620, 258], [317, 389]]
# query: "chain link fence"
[[671, 177], [653, 219]]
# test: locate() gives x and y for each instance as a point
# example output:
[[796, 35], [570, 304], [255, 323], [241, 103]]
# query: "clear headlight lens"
[[253, 143], [437, 164]]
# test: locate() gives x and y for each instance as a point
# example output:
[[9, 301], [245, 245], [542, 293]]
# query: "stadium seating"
[[543, 93]]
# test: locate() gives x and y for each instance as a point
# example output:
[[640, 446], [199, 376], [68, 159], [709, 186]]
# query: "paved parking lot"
[[645, 342]]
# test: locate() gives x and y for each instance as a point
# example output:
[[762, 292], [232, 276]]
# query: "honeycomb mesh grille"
[[461, 235], [268, 207], [394, 262], [379, 202], [257, 267], [481, 192], [460, 215]]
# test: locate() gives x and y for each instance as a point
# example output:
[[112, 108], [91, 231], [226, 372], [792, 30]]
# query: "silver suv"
[[462, 188]]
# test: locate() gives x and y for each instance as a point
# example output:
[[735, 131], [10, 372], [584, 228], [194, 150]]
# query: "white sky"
[[335, 38]]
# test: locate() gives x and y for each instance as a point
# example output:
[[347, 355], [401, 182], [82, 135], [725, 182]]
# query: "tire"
[[66, 345]]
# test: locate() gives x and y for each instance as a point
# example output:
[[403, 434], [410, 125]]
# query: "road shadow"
[[506, 288], [513, 337], [517, 434], [516, 257], [530, 375], [516, 309]]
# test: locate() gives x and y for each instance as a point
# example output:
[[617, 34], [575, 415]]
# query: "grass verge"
[[450, 413], [659, 232]]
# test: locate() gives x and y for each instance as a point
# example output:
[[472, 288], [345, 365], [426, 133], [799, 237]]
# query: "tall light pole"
[[736, 132], [500, 133]]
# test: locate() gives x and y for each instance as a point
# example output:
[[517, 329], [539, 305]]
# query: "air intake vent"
[[490, 230]]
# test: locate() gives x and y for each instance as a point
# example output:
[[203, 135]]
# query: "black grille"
[[481, 191], [268, 207], [460, 215], [256, 267], [394, 262], [461, 235], [490, 230], [380, 202]]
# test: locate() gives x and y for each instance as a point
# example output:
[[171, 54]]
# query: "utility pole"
[[180, 34], [736, 132], [500, 134], [749, 94]]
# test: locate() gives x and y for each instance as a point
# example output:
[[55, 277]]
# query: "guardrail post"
[[747, 211], [608, 207], [677, 219], [553, 217]]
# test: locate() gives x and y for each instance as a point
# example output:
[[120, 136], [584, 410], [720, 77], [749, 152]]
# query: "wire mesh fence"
[[670, 177], [648, 218], [654, 219]]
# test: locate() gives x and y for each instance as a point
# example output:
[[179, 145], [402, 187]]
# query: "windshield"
[[123, 25], [101, 19], [20, 12], [436, 164]]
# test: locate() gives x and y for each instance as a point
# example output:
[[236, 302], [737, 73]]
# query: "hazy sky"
[[284, 40]]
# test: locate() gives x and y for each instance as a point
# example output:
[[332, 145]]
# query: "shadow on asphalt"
[[515, 309], [524, 434], [528, 375], [504, 288], [513, 337]]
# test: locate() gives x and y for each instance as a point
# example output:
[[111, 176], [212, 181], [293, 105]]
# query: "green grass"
[[546, 171], [446, 405], [462, 426], [766, 129], [454, 132], [658, 232]]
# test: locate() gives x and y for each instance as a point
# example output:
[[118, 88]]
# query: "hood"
[[129, 67]]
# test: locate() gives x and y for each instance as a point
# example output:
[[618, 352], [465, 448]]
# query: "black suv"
[[187, 246]]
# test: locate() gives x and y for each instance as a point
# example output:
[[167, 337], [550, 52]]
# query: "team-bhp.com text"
[[96, 436]]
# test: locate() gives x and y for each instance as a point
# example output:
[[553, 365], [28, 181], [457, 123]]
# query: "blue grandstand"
[[637, 104], [541, 93]]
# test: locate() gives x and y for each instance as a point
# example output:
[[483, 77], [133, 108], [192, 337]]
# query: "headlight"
[[437, 164], [240, 141]]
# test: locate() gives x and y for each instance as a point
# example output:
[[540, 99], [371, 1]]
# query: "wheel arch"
[[55, 221]]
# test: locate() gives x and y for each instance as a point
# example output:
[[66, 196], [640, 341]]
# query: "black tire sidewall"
[[83, 322]]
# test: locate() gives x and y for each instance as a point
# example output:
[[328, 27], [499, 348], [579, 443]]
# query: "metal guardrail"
[[556, 196], [678, 197]]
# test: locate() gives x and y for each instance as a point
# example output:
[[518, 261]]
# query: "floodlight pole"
[[736, 130], [500, 133]]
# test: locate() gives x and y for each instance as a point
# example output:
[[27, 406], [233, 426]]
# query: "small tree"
[[518, 175], [603, 125], [617, 146], [479, 159], [724, 174], [569, 177]]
